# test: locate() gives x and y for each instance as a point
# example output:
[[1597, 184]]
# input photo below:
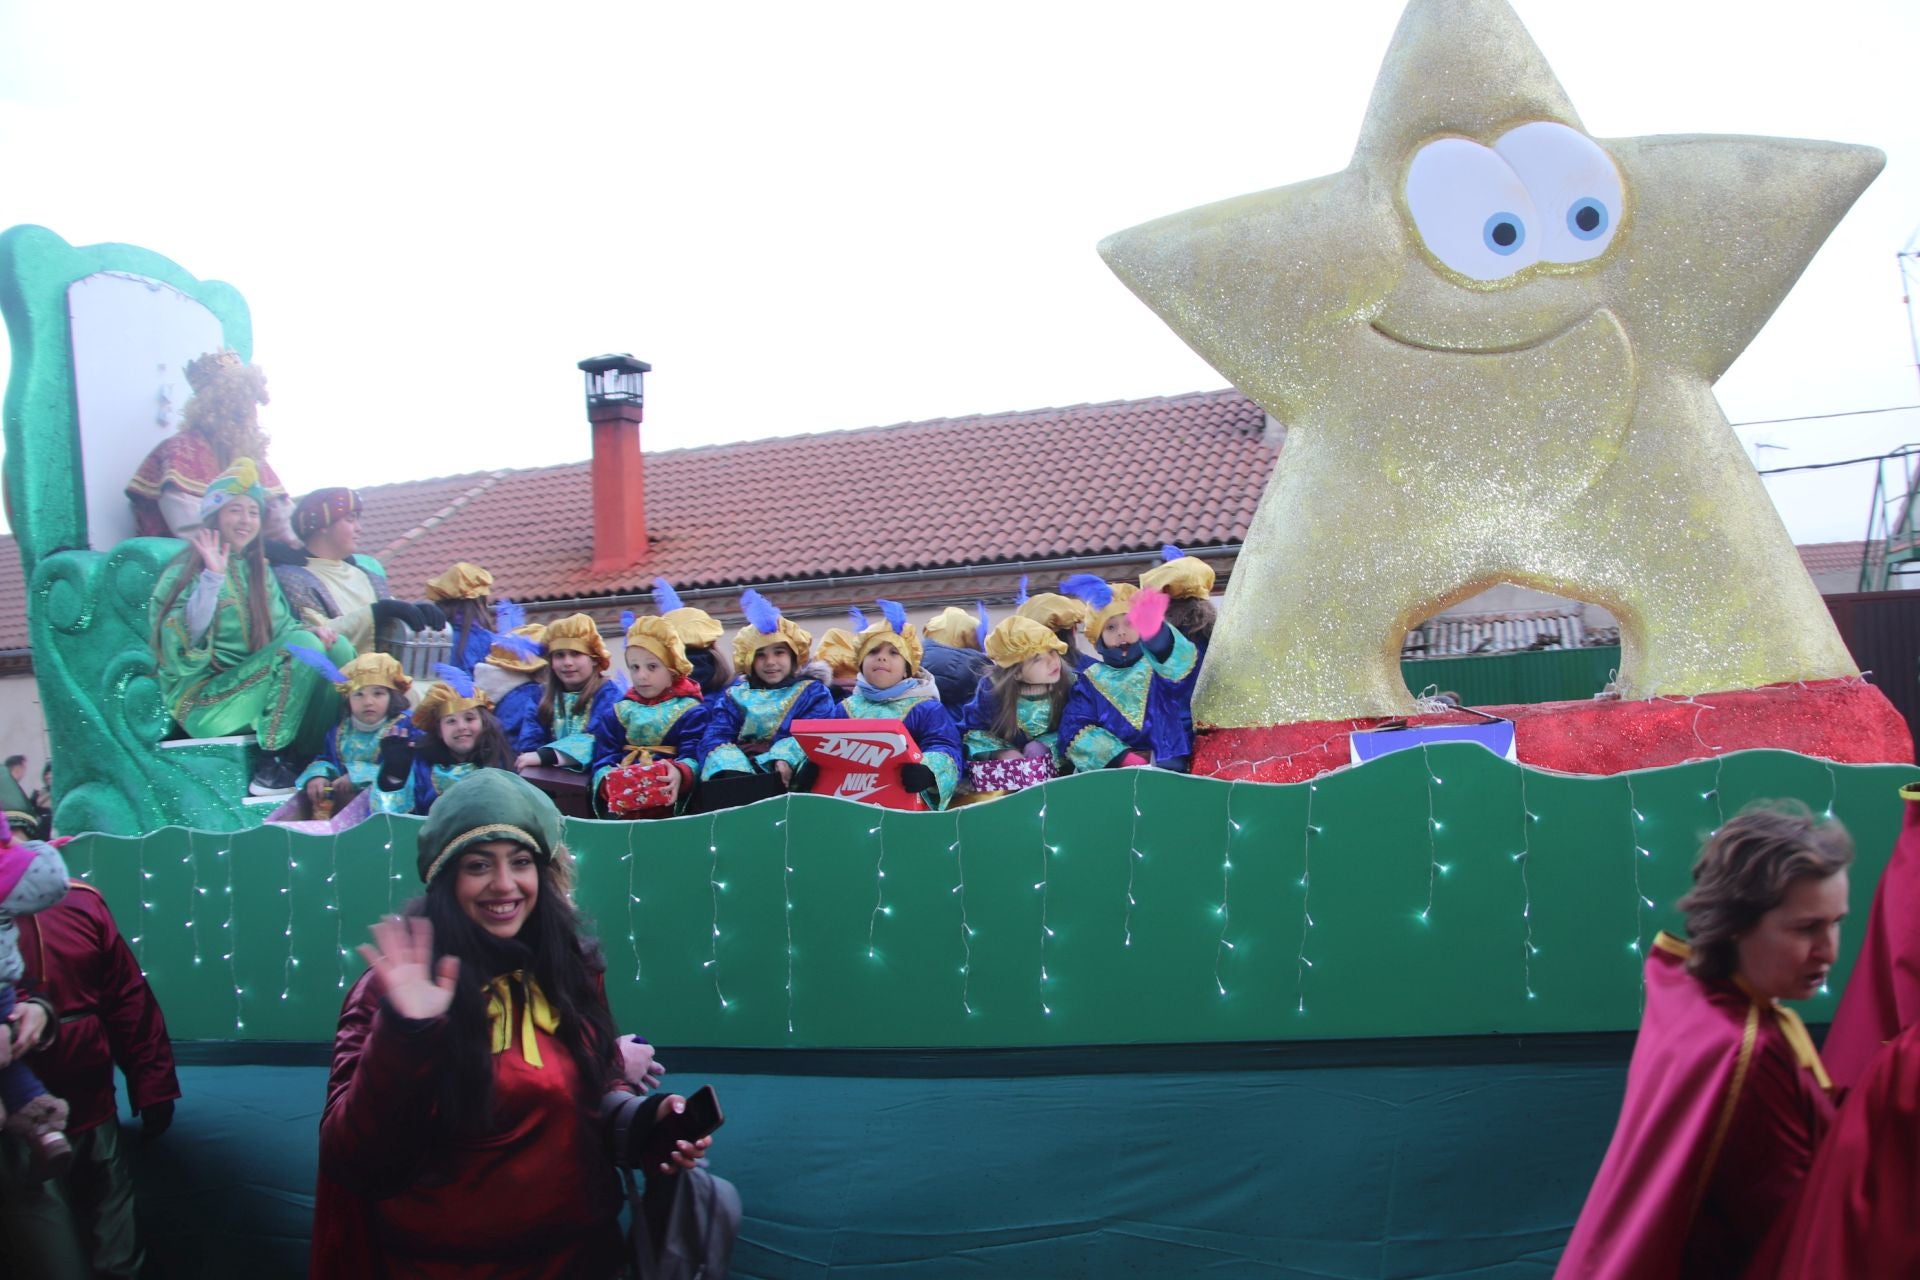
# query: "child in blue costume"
[[464, 594], [892, 687], [576, 690], [457, 736], [1017, 708], [699, 633], [661, 717], [1126, 709], [1188, 582], [749, 726], [514, 674], [376, 690]]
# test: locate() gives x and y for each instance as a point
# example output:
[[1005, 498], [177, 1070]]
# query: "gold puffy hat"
[[1182, 578], [767, 626], [1123, 594], [1013, 640], [445, 700], [838, 649], [955, 628], [893, 629], [660, 638], [1053, 611], [578, 633], [698, 629], [509, 659], [462, 582], [374, 670]]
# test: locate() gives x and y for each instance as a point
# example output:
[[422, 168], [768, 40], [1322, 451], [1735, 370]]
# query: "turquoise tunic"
[[743, 713], [350, 749], [1036, 722]]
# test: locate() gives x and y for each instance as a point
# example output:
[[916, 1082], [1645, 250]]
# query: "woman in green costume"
[[220, 637]]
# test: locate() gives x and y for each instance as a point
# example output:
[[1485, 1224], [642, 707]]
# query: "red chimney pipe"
[[615, 402]]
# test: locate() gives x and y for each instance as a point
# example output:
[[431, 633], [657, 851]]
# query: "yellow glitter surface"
[[1452, 427]]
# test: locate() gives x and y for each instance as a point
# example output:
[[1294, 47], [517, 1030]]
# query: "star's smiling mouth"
[[1463, 349]]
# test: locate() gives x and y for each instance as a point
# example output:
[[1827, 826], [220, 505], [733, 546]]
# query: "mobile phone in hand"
[[702, 1117]]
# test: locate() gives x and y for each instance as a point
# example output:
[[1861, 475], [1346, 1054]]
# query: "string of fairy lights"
[[1247, 835]]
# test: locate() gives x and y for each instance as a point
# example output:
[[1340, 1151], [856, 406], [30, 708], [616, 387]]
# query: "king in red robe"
[[1726, 1101]]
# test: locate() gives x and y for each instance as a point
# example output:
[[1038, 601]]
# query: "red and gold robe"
[[185, 461], [536, 1199], [1726, 1102]]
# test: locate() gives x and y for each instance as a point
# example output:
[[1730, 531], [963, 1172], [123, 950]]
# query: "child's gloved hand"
[[396, 762], [917, 777], [1036, 751], [1132, 760], [1147, 612]]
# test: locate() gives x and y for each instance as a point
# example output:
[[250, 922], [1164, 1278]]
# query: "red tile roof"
[[1041, 484], [999, 488]]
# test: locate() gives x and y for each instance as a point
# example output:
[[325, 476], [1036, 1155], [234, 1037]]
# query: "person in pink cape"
[[1882, 998], [1727, 1099]]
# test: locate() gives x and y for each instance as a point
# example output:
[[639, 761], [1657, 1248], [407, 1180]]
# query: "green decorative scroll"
[[1444, 892], [87, 610]]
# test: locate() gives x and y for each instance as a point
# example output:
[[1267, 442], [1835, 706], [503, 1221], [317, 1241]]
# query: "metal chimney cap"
[[614, 362]]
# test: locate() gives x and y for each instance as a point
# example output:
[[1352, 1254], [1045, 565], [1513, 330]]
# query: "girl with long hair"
[[559, 733], [220, 633], [1014, 718], [461, 1131], [456, 736]]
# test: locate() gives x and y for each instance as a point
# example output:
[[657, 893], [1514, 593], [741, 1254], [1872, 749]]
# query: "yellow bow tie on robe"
[[535, 1012], [1796, 1032]]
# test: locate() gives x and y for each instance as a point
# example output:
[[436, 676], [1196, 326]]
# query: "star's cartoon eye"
[[1472, 210], [1574, 185]]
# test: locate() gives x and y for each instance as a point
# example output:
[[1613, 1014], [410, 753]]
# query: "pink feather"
[[1147, 612]]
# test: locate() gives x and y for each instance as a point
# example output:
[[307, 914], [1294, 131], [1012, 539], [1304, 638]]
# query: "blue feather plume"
[[626, 620], [857, 618], [980, 620], [457, 680], [525, 646], [760, 612], [1170, 552], [1088, 587], [895, 614], [665, 598], [318, 661], [507, 615], [1020, 596]]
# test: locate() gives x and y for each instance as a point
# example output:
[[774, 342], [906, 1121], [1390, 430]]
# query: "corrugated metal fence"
[[1882, 631]]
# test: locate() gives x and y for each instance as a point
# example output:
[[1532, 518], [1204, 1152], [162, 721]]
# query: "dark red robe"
[[1725, 1105], [1882, 998], [1858, 1212], [76, 958], [536, 1199], [186, 461]]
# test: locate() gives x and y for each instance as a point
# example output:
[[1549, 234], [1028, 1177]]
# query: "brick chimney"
[[615, 394]]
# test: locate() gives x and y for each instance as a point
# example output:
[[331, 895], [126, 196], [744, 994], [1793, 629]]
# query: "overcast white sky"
[[811, 217]]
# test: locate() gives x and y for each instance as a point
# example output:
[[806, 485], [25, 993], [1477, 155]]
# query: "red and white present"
[[1010, 775], [633, 787]]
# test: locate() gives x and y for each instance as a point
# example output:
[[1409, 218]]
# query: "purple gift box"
[[1009, 775]]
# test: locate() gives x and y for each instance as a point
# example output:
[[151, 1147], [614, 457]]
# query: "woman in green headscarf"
[[220, 638]]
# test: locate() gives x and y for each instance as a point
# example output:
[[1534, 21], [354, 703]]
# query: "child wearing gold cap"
[[559, 734], [1188, 582], [700, 634], [457, 736], [464, 596], [1062, 615], [1126, 709], [749, 727], [646, 753], [1016, 713], [376, 690], [892, 686]]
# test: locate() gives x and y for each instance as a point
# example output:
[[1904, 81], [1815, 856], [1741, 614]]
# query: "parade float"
[[1289, 1016]]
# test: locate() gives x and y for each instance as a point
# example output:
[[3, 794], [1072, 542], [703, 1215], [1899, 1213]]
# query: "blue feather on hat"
[[1020, 596], [1088, 587], [525, 646], [895, 614], [980, 628], [857, 618], [457, 680], [318, 661], [665, 598], [507, 615], [626, 619], [760, 612], [1170, 552]]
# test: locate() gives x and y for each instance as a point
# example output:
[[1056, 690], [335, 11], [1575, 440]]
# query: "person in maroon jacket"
[[461, 1133], [103, 1015]]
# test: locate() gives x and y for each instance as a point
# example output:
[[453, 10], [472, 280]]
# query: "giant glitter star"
[[1493, 340]]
